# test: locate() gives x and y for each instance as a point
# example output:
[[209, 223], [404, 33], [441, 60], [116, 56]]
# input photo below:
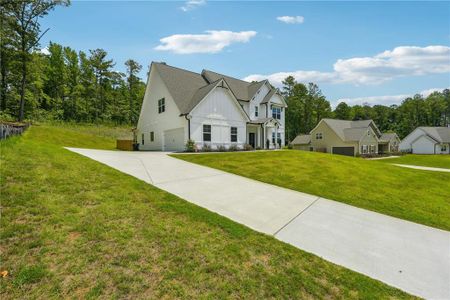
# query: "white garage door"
[[423, 145], [174, 139]]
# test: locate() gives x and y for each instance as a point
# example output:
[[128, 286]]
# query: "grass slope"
[[72, 227], [437, 161], [413, 195]]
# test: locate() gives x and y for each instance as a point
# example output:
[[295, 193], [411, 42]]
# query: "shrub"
[[233, 148], [289, 146], [248, 147], [206, 148], [190, 146], [258, 148], [221, 148]]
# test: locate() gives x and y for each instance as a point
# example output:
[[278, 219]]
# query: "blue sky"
[[374, 52]]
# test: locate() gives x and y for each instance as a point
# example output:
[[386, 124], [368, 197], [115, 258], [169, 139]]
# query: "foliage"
[[74, 228], [363, 183], [221, 148], [233, 148], [247, 147], [190, 146], [206, 148], [61, 83]]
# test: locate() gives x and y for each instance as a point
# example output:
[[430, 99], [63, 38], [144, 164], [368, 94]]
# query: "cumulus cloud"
[[212, 41], [386, 100], [192, 4], [291, 19], [399, 62]]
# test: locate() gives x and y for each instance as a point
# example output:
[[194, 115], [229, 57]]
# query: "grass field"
[[437, 161], [417, 196], [74, 228]]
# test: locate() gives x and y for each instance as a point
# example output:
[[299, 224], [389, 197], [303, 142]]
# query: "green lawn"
[[74, 228], [418, 196], [437, 161]]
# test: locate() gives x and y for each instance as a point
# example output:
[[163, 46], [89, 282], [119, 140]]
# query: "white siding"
[[405, 144], [222, 112], [423, 145], [256, 101], [150, 120], [276, 100]]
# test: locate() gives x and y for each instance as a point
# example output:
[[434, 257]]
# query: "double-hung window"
[[233, 134], [256, 111], [276, 112], [207, 133], [161, 105], [364, 149]]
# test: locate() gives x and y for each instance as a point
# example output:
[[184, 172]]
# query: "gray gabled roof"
[[182, 84], [268, 96], [440, 134], [350, 131], [303, 139], [387, 136], [189, 88]]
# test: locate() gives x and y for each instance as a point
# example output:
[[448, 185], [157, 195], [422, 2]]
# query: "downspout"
[[188, 118]]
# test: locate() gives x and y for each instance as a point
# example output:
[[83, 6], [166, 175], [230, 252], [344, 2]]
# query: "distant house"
[[209, 108], [427, 140], [347, 138]]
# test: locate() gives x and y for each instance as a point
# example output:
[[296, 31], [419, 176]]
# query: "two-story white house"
[[208, 108]]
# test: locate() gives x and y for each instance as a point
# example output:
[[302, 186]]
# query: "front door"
[[251, 139]]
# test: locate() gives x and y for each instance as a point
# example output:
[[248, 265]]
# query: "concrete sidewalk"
[[409, 256], [423, 168]]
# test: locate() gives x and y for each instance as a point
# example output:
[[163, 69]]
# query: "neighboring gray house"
[[347, 138], [210, 108], [427, 140]]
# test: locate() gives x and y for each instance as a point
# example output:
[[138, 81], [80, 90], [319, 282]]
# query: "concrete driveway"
[[409, 256]]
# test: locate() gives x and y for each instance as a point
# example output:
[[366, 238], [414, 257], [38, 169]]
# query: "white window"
[[256, 111], [364, 149], [319, 136], [207, 133], [234, 134], [276, 112], [443, 148], [161, 105]]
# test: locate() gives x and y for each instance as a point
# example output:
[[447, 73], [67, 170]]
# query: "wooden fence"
[[8, 129]]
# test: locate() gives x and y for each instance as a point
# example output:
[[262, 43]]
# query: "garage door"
[[350, 151], [174, 139]]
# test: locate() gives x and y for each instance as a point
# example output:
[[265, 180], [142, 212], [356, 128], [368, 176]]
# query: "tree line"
[[60, 83], [69, 85], [307, 106]]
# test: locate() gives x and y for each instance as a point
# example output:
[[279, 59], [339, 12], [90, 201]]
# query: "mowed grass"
[[437, 161], [74, 228], [414, 195]]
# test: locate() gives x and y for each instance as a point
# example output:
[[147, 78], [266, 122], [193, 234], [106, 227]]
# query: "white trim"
[[236, 101]]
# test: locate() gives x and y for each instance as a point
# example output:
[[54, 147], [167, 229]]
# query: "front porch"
[[264, 134]]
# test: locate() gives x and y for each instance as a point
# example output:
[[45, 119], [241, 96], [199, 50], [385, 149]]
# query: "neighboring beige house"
[[427, 140], [347, 138]]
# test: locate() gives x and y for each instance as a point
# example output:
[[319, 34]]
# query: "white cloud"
[[212, 41], [399, 62], [291, 19], [192, 4], [45, 51], [385, 100]]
